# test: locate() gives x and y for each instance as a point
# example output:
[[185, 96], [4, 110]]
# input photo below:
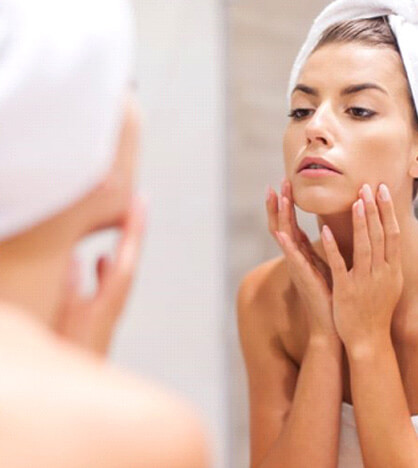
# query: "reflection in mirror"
[[295, 353]]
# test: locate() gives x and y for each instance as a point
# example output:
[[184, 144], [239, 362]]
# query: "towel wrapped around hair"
[[403, 20], [65, 68]]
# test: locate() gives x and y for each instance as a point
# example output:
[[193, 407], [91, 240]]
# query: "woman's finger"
[[375, 228], [302, 239], [299, 236], [70, 299], [362, 250], [288, 192], [334, 257], [117, 280], [297, 263], [285, 224], [390, 227], [284, 219], [289, 223], [272, 210]]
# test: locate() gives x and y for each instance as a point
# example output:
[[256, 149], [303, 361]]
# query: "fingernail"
[[384, 192], [327, 232], [280, 202], [367, 191]]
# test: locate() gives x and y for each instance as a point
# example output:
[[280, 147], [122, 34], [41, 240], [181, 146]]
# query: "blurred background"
[[212, 77]]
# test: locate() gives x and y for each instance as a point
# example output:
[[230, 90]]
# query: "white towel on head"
[[65, 67], [403, 20]]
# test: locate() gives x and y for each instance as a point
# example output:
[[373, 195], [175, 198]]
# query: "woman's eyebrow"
[[348, 90]]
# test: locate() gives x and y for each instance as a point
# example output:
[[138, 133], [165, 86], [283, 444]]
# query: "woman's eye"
[[358, 112], [295, 113], [364, 113]]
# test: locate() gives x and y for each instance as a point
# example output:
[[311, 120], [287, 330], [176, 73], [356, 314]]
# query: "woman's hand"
[[90, 322], [309, 273], [365, 297]]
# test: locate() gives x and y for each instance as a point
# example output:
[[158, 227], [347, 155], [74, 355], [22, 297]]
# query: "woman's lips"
[[317, 172]]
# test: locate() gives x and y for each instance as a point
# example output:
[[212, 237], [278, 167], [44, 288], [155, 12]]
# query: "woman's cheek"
[[379, 157], [292, 147]]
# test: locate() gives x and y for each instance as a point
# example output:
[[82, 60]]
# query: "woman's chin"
[[322, 207]]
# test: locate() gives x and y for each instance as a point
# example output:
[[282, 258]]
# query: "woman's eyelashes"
[[364, 114]]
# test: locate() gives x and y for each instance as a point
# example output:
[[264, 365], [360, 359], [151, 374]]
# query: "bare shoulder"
[[150, 426], [269, 283], [265, 288], [87, 412], [158, 427], [264, 299]]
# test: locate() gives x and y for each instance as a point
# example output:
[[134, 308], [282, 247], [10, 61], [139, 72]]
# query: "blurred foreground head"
[[68, 122], [68, 138]]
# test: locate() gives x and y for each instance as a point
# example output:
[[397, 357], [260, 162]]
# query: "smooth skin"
[[363, 299], [369, 136], [63, 407], [63, 404], [309, 273]]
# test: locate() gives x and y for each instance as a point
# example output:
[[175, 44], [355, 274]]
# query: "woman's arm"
[[294, 416], [310, 436], [386, 434], [364, 300]]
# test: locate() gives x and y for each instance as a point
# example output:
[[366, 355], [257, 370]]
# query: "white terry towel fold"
[[403, 20], [65, 67]]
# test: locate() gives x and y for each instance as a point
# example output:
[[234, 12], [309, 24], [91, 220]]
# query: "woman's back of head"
[[65, 73]]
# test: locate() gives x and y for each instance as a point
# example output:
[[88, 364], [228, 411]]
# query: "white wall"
[[173, 325]]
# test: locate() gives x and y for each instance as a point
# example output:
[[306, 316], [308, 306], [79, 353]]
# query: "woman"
[[68, 145], [329, 330]]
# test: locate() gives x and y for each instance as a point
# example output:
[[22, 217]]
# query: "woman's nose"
[[318, 126]]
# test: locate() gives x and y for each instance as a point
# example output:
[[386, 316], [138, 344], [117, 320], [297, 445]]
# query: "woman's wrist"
[[332, 342], [370, 346]]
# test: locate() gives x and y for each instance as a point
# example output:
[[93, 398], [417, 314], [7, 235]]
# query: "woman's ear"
[[413, 168], [413, 165]]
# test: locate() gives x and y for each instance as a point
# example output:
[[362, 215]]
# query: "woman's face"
[[368, 135]]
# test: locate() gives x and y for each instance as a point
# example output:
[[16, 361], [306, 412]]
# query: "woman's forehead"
[[340, 65]]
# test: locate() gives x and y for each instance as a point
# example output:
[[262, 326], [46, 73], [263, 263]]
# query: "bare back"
[[63, 407]]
